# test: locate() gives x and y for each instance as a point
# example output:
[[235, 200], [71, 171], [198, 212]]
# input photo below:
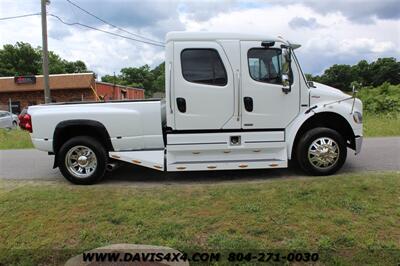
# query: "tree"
[[365, 74], [75, 67], [138, 76], [23, 59], [385, 70], [338, 76], [113, 79], [310, 77], [19, 59], [55, 64], [159, 78], [362, 72], [152, 80]]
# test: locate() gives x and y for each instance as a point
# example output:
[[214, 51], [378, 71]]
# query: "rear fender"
[[68, 129]]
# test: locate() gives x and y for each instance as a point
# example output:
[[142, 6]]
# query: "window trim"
[[219, 57], [248, 65]]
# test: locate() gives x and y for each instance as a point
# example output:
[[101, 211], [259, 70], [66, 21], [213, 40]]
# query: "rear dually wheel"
[[82, 160]]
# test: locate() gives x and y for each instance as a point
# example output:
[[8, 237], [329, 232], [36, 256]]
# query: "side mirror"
[[286, 71], [311, 84], [286, 83], [286, 54]]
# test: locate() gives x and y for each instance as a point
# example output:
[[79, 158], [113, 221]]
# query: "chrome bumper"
[[359, 141]]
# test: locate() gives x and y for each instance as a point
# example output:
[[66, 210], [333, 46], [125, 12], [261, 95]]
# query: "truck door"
[[203, 86], [264, 104]]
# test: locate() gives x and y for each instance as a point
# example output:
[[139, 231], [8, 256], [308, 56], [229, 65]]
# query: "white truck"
[[233, 101]]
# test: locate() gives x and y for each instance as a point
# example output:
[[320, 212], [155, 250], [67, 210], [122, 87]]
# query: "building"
[[28, 90], [109, 91]]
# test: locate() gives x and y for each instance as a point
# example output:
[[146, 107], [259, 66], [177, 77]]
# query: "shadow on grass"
[[136, 174]]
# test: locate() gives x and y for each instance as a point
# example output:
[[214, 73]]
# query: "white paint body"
[[201, 137], [132, 125]]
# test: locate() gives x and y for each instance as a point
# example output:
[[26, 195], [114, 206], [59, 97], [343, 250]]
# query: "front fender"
[[293, 128], [342, 110]]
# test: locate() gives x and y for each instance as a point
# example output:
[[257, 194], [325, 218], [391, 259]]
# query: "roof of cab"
[[212, 36]]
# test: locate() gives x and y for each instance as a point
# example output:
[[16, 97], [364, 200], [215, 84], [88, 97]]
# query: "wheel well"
[[73, 128], [330, 120]]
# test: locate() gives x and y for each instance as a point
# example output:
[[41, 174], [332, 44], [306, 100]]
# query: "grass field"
[[381, 125], [351, 219], [14, 139]]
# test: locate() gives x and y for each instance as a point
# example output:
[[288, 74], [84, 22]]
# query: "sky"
[[330, 31]]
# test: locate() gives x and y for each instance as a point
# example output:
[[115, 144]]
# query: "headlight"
[[357, 116]]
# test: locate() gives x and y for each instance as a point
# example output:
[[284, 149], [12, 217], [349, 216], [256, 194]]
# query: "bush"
[[384, 99]]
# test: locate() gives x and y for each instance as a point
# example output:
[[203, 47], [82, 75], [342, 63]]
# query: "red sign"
[[25, 80]]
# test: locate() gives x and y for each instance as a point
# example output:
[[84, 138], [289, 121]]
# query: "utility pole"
[[114, 88], [47, 97]]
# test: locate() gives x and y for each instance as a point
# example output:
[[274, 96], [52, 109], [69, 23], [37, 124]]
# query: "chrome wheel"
[[323, 153], [81, 161]]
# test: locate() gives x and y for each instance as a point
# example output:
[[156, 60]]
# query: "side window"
[[203, 66], [265, 65]]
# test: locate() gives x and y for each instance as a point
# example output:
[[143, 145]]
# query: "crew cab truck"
[[233, 101]]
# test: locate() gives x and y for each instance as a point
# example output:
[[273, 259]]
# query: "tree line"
[[152, 80], [361, 74], [23, 59]]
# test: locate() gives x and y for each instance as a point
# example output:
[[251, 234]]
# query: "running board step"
[[226, 165], [150, 159]]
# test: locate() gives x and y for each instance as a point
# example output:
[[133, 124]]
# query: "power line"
[[104, 31], [21, 16], [110, 24]]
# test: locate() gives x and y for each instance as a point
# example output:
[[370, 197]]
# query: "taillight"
[[25, 122]]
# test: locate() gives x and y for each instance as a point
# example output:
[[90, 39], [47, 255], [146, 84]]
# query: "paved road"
[[377, 154]]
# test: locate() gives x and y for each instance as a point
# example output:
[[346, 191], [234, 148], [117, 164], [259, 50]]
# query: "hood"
[[323, 93]]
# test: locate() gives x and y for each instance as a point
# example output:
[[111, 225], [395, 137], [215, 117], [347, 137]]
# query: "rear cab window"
[[203, 66]]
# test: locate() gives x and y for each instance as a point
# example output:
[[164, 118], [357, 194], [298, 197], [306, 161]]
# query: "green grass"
[[14, 139], [381, 125], [351, 219]]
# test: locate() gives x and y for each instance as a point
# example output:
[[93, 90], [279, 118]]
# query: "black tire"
[[100, 155], [15, 124], [305, 142]]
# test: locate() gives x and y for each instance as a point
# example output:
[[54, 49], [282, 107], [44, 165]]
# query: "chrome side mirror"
[[286, 83], [286, 70], [311, 84]]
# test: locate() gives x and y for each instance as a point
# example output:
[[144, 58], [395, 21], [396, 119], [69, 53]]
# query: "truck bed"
[[98, 102], [131, 125]]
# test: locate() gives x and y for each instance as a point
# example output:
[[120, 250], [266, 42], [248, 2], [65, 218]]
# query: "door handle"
[[248, 104], [181, 103]]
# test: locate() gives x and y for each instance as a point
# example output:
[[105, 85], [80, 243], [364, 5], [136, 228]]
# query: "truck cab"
[[246, 96], [233, 101], [230, 81]]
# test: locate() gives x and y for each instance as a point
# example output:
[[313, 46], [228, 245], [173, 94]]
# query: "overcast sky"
[[330, 31]]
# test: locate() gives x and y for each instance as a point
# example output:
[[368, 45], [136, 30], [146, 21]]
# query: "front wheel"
[[82, 160], [321, 151]]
